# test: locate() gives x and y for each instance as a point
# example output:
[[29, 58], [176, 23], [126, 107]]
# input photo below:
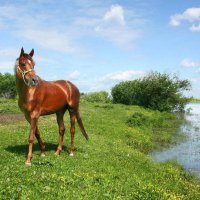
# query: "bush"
[[101, 97], [138, 119], [8, 86], [126, 92], [155, 91]]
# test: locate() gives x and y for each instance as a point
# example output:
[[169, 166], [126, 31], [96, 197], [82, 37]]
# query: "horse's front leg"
[[33, 123], [42, 146], [37, 135]]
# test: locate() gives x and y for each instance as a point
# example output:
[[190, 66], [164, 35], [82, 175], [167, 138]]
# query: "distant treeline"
[[156, 91]]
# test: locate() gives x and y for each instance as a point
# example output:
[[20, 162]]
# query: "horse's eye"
[[23, 65]]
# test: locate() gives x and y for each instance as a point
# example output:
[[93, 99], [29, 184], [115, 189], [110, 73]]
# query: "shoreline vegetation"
[[193, 100], [114, 164]]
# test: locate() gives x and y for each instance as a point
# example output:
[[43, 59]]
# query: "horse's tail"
[[80, 123]]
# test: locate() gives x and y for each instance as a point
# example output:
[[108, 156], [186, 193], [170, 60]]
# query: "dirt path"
[[8, 118]]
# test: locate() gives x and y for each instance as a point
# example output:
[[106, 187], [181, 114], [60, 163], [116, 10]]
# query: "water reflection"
[[188, 152]]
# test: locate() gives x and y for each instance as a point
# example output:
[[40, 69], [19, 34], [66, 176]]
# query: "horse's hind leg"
[[61, 126], [42, 146], [72, 130]]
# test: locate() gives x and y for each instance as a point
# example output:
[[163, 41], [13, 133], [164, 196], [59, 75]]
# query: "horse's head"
[[25, 68]]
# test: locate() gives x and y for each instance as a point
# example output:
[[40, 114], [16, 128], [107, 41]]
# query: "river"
[[186, 153]]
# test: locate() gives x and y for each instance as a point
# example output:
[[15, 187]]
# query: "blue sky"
[[98, 43]]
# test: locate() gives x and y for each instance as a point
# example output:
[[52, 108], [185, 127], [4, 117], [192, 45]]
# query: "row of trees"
[[155, 91]]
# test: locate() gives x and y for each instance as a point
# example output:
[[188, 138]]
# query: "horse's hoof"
[[71, 154], [28, 163], [42, 155], [57, 153]]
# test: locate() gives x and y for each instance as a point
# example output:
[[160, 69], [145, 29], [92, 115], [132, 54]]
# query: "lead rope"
[[24, 73]]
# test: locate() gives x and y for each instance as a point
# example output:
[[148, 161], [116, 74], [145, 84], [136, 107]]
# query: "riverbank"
[[187, 153], [114, 164]]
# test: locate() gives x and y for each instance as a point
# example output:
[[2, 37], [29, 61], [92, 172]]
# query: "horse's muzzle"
[[33, 81]]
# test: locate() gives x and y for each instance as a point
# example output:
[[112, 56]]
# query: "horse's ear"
[[22, 51], [31, 53]]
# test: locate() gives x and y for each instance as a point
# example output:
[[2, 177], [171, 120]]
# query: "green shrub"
[[138, 119], [8, 86], [155, 91], [100, 97], [126, 92]]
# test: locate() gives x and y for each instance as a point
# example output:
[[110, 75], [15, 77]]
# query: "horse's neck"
[[21, 87]]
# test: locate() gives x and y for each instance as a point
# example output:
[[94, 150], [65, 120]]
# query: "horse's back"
[[65, 90]]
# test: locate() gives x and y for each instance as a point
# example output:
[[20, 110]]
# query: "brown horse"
[[38, 97]]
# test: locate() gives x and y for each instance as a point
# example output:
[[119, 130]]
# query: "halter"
[[24, 73]]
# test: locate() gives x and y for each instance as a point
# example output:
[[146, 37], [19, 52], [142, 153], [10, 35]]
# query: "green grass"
[[113, 164], [8, 106]]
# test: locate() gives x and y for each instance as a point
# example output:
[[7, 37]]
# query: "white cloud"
[[190, 15], [74, 75], [114, 27], [8, 11], [107, 81], [34, 28], [122, 76], [48, 39], [48, 30], [175, 20], [198, 71], [188, 63], [195, 28], [115, 14]]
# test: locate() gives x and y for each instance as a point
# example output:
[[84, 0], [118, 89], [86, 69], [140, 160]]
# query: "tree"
[[156, 91], [7, 86]]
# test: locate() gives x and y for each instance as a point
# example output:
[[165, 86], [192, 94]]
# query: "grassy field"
[[113, 164]]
